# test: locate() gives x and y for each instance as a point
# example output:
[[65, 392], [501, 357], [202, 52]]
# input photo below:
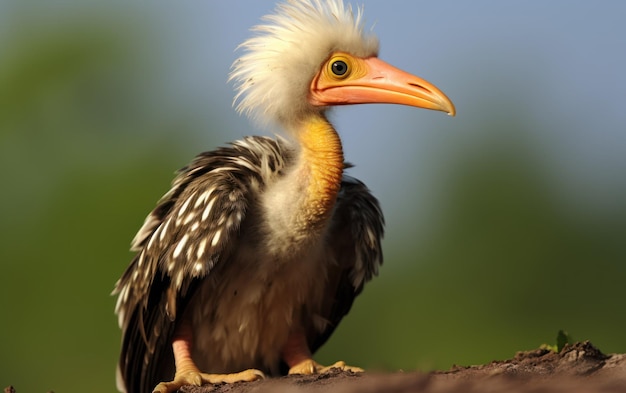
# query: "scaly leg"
[[187, 373], [298, 357]]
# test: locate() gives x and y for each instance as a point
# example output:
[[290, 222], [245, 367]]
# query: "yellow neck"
[[322, 160]]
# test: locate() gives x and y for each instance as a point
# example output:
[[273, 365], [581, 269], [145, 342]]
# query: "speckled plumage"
[[182, 266]]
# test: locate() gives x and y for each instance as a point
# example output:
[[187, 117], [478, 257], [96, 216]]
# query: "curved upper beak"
[[380, 83]]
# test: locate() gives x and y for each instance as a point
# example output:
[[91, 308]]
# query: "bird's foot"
[[195, 377], [310, 366]]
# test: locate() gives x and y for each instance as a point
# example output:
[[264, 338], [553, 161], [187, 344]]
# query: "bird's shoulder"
[[213, 185]]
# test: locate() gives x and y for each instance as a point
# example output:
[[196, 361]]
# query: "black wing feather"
[[355, 239], [179, 244]]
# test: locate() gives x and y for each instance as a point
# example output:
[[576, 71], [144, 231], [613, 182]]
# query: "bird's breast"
[[244, 313]]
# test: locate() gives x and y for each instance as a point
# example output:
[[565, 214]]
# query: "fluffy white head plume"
[[273, 75]]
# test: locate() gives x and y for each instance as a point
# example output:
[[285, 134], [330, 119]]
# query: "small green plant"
[[562, 338]]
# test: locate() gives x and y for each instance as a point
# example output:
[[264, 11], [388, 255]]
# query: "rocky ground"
[[578, 367]]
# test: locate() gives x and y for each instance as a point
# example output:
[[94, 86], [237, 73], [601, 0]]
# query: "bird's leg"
[[298, 357], [187, 373]]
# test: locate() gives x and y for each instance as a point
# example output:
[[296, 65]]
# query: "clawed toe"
[[243, 376], [198, 379], [341, 365], [310, 366]]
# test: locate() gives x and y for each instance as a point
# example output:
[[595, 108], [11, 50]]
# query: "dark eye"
[[339, 68]]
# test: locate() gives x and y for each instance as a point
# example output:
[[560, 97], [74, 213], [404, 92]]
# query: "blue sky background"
[[557, 64]]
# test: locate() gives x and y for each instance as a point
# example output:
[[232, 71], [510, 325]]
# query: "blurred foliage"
[[87, 150], [505, 267]]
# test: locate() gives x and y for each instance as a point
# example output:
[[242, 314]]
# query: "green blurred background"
[[504, 224]]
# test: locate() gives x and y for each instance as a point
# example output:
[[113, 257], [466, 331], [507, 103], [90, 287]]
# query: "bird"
[[246, 266]]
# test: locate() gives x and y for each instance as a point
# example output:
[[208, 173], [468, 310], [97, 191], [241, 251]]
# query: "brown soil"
[[577, 368]]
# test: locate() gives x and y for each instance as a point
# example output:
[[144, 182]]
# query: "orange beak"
[[372, 80]]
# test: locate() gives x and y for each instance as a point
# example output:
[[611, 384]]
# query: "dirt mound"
[[577, 368]]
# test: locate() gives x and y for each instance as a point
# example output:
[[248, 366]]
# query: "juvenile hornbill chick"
[[258, 250]]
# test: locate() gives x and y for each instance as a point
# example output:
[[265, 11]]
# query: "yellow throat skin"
[[322, 155]]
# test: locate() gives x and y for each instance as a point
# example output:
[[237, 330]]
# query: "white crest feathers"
[[272, 77]]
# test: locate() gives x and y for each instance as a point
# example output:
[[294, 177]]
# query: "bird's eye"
[[339, 67]]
